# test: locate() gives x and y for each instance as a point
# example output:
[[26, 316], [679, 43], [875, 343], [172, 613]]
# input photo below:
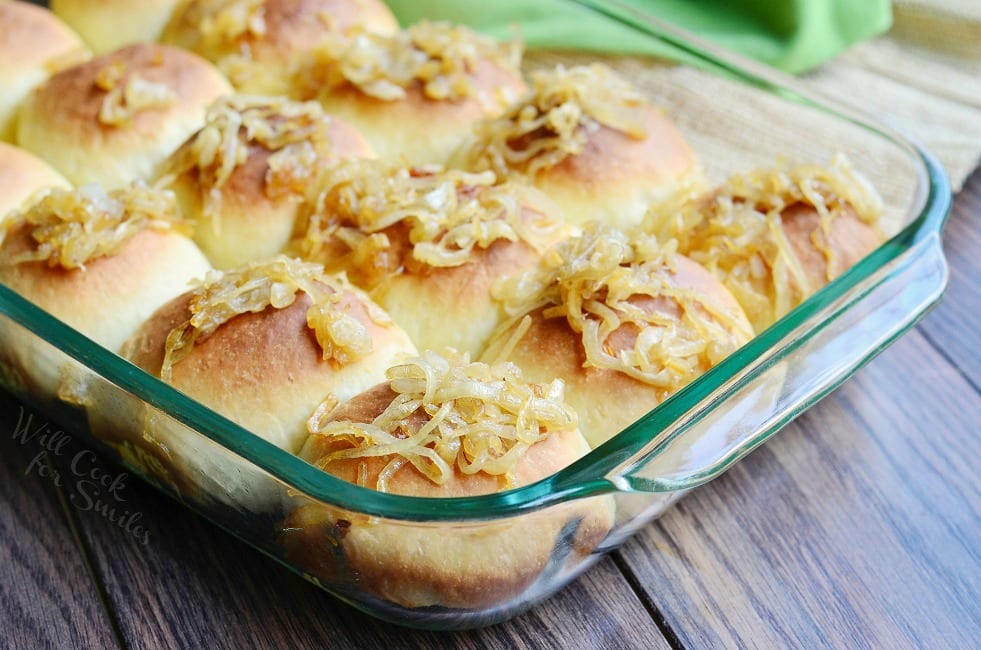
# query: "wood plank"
[[857, 526], [860, 521], [194, 584], [47, 596], [953, 325]]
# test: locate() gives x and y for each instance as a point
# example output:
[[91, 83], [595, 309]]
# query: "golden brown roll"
[[261, 345], [414, 95], [428, 244], [257, 42], [443, 427], [115, 118], [776, 236], [99, 261], [108, 25], [589, 140], [34, 45], [624, 323], [243, 177], [21, 175]]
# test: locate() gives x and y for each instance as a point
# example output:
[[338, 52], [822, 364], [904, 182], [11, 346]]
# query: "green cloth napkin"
[[794, 35]]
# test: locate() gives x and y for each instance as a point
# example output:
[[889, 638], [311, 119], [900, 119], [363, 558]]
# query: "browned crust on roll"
[[849, 238], [449, 565], [60, 120], [472, 281], [441, 306], [543, 458], [246, 188], [31, 36], [464, 283], [820, 255], [606, 399], [488, 79], [245, 206], [274, 347], [106, 301], [263, 370], [70, 101], [75, 294], [613, 160], [289, 25], [22, 174], [33, 45], [49, 286], [247, 218], [292, 26], [416, 127], [266, 370], [452, 306], [347, 141], [617, 177]]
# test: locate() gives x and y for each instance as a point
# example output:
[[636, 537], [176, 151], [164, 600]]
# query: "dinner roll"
[[108, 25], [115, 118], [776, 236], [443, 427], [21, 175], [34, 44], [100, 261], [589, 140], [428, 244], [242, 177], [256, 42], [623, 322], [414, 95], [262, 345]]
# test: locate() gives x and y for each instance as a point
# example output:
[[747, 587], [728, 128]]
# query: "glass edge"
[[586, 477], [926, 215], [708, 472]]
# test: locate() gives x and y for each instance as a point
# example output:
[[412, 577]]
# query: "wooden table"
[[857, 526]]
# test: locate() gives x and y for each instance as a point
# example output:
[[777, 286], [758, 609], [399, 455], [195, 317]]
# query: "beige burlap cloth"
[[923, 79], [925, 76]]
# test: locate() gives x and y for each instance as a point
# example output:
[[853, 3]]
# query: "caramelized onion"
[[555, 119], [297, 133], [737, 230], [272, 283], [594, 282], [441, 57], [128, 94], [450, 415], [73, 227], [449, 214]]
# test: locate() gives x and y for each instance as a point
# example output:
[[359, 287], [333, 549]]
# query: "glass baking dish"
[[466, 562]]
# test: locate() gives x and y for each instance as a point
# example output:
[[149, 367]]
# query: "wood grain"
[[47, 596], [193, 585], [953, 325], [859, 525]]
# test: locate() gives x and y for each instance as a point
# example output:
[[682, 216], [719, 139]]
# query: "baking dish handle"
[[800, 371]]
